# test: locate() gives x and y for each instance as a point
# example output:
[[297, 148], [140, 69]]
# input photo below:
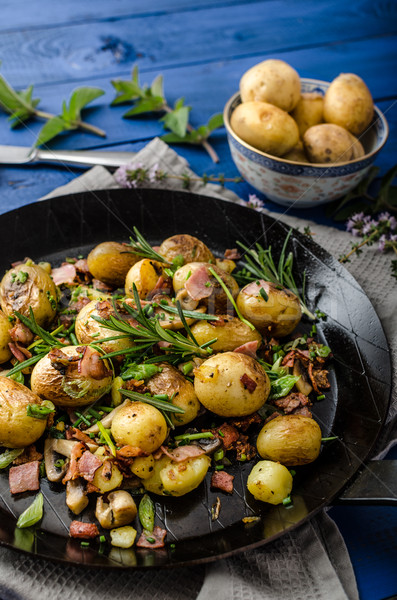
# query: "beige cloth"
[[310, 563]]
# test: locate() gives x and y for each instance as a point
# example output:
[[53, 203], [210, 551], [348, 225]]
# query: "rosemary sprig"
[[230, 297], [142, 248], [160, 404]]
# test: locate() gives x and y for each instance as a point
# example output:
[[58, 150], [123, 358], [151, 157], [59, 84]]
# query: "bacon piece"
[[91, 364], [20, 352], [319, 378], [196, 284], [249, 348], [20, 333], [91, 488], [107, 470], [162, 284], [232, 254], [129, 452], [66, 273], [248, 383], [292, 402], [88, 464], [81, 265], [227, 433], [244, 422], [73, 433], [289, 359], [24, 478], [223, 481], [30, 454], [85, 531], [158, 535], [101, 286], [73, 469], [183, 452]]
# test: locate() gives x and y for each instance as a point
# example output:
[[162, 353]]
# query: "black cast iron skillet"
[[354, 408]]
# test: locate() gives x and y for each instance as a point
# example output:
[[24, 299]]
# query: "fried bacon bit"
[[73, 469], [29, 454], [319, 378], [289, 359], [81, 265], [244, 450], [99, 285], [227, 434], [25, 478], [223, 481], [196, 284], [216, 509], [129, 452], [293, 403], [232, 254], [245, 422], [91, 488], [248, 383], [91, 365], [73, 433], [85, 531], [107, 470], [163, 285], [249, 348], [20, 352], [66, 273], [183, 452], [88, 464], [20, 333], [158, 535]]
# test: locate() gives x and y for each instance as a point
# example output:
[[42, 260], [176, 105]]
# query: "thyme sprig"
[[141, 247]]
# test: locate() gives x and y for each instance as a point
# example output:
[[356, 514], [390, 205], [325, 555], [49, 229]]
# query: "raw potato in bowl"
[[348, 103], [330, 143], [273, 81]]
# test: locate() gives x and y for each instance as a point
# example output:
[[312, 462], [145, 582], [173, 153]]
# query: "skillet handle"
[[376, 484]]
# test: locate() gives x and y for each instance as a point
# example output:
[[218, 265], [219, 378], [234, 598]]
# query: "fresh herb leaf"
[[40, 411], [138, 372], [8, 456], [146, 513], [33, 514], [282, 386]]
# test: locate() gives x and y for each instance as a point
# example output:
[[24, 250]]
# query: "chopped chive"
[[82, 418], [218, 455], [243, 457], [84, 544], [321, 397], [187, 368], [107, 438], [221, 433], [194, 436], [263, 294], [102, 539], [329, 439], [150, 540], [73, 339], [293, 473], [172, 546], [287, 501], [219, 467]]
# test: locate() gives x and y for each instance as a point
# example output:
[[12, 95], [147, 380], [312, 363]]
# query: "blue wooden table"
[[202, 49]]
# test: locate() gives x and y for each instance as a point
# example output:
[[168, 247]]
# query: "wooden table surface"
[[202, 51]]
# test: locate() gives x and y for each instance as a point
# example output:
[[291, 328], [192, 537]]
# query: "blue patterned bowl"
[[302, 184]]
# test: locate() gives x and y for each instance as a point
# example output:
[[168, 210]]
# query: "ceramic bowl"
[[302, 184]]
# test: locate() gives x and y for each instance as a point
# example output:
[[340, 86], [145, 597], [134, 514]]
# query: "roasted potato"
[[144, 274], [188, 247], [291, 440], [5, 338], [140, 425], [171, 381], [265, 127], [348, 103], [329, 143], [102, 481], [308, 111], [57, 376], [17, 429], [273, 81], [29, 286], [269, 482], [230, 333], [231, 384], [142, 466], [110, 262], [274, 310], [177, 479]]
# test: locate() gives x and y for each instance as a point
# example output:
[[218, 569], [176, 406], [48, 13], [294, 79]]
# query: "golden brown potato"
[[110, 262], [291, 440], [144, 274], [142, 466], [231, 384], [265, 127], [270, 482], [273, 311], [329, 143], [17, 429], [177, 479], [5, 338], [171, 381], [69, 385], [297, 154], [187, 246], [230, 333], [140, 425], [28, 285], [348, 103], [273, 81], [308, 111]]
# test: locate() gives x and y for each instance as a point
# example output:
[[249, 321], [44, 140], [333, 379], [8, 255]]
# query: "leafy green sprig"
[[141, 247]]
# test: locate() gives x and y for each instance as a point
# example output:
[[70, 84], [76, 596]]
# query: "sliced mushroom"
[[209, 445], [187, 303], [76, 497], [107, 420], [65, 447], [120, 509], [303, 386], [53, 472]]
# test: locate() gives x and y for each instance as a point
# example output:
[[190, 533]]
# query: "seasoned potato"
[[329, 143], [308, 111], [60, 380], [187, 246], [177, 479], [230, 333], [201, 286], [171, 381], [265, 127], [110, 262], [273, 81], [275, 311], [290, 439], [140, 425], [17, 429], [88, 330], [144, 274], [348, 103], [297, 154], [123, 537], [269, 482], [28, 285], [5, 338], [105, 483], [142, 466], [231, 384]]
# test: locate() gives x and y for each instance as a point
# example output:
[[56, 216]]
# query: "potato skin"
[[177, 479], [5, 338], [348, 103], [17, 429], [219, 384], [144, 274], [297, 154], [265, 127], [230, 334], [291, 440], [64, 390], [273, 81], [27, 286], [188, 246], [140, 425], [308, 111], [87, 330], [278, 315], [329, 143], [110, 262], [172, 382], [269, 482]]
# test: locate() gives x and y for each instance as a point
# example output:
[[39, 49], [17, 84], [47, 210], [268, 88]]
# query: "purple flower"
[[382, 243], [393, 223], [121, 176], [383, 217], [393, 238], [255, 202], [152, 173]]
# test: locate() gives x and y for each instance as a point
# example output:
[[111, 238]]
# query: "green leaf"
[[33, 513], [173, 138], [139, 372], [8, 456], [40, 411], [18, 104], [146, 513], [215, 122], [157, 88], [282, 386], [179, 103], [80, 98], [177, 120], [153, 104], [51, 129], [127, 90]]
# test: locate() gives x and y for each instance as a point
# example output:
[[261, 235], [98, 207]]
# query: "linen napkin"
[[310, 563]]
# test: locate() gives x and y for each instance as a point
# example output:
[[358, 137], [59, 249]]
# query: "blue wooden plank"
[[79, 52]]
